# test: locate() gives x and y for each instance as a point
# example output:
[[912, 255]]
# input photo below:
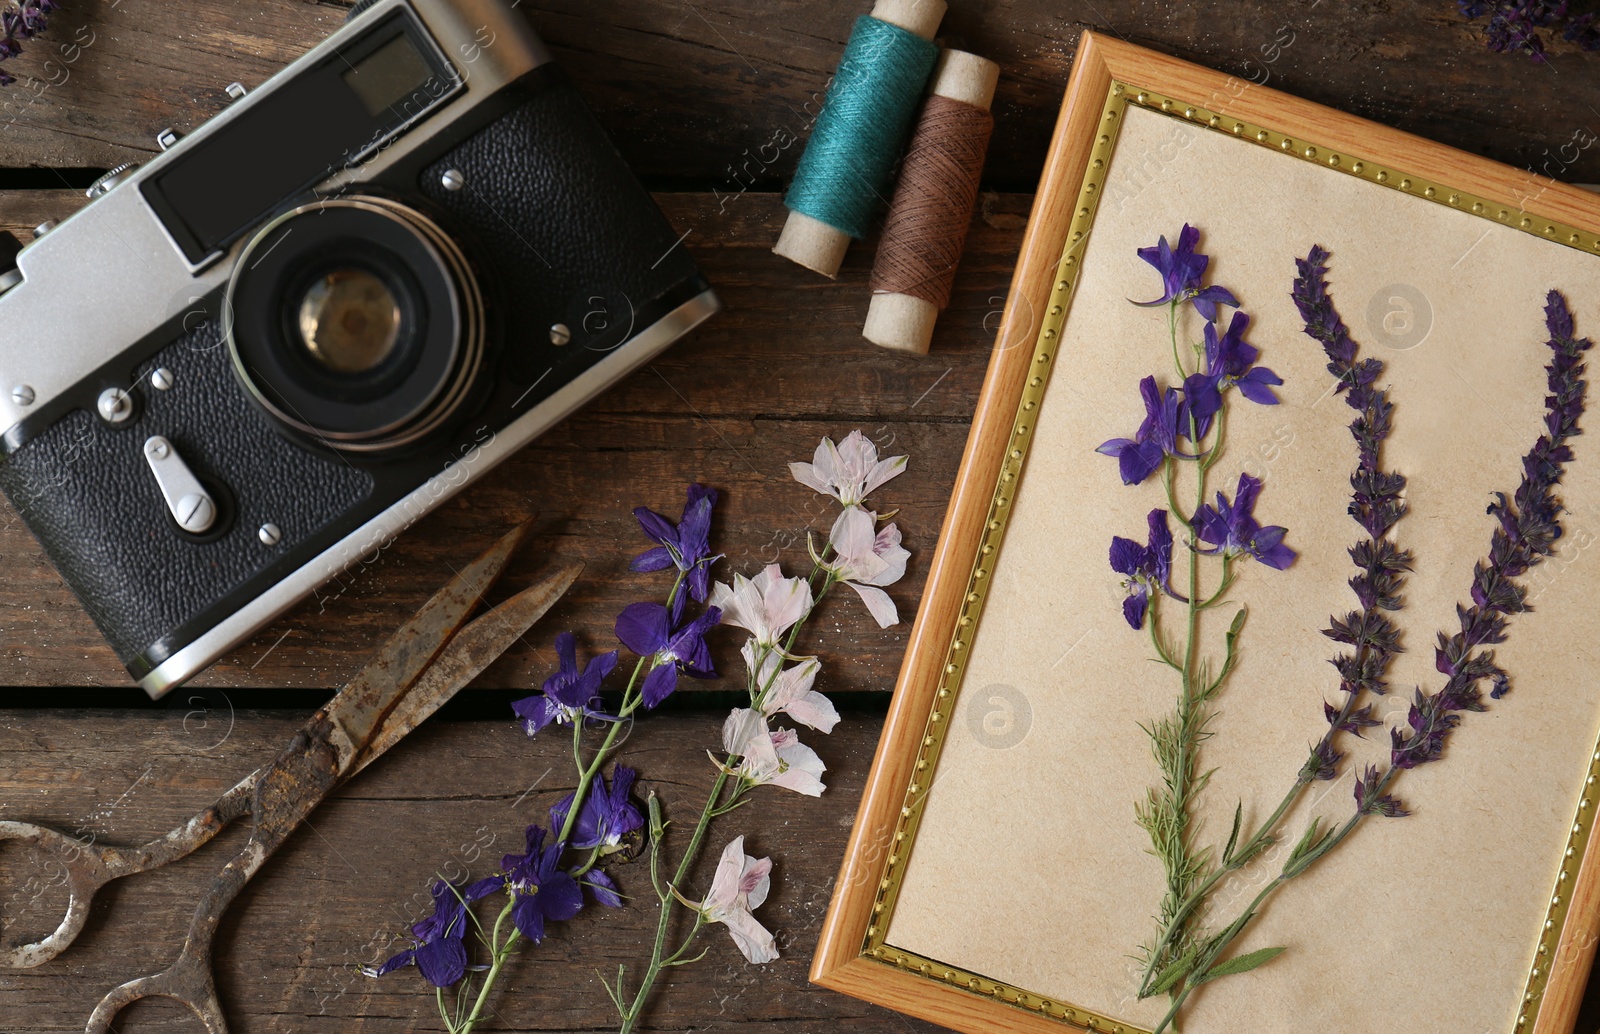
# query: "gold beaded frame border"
[[1121, 95]]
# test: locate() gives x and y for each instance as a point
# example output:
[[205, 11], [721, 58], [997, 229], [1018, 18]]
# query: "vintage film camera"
[[262, 354]]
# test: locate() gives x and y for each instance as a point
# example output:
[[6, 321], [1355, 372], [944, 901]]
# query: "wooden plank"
[[692, 93], [454, 797], [755, 388]]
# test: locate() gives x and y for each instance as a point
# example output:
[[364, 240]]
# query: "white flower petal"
[[852, 538], [743, 728], [808, 474], [892, 554], [802, 768], [755, 881], [813, 709], [882, 471], [754, 941], [725, 884], [879, 605]]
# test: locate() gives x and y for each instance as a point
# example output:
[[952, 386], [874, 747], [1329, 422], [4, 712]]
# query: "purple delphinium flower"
[[1375, 504], [1157, 438], [1145, 567], [568, 695], [23, 22], [684, 545], [646, 629], [1181, 269], [1528, 525], [1230, 362], [1233, 530], [541, 890], [608, 820], [1514, 25], [439, 954]]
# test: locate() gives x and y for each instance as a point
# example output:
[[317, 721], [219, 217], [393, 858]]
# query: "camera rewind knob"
[[104, 184], [186, 498]]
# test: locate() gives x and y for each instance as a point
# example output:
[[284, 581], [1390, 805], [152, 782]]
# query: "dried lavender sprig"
[[1376, 505], [23, 22], [1529, 524]]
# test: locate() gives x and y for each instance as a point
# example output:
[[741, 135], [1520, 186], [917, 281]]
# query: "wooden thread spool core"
[[901, 321], [811, 242]]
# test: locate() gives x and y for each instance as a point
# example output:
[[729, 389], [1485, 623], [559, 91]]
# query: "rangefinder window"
[[299, 134], [393, 73]]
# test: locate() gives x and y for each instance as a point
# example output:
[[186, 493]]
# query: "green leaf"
[[1233, 838], [1304, 846], [1238, 624], [1175, 971], [1239, 964]]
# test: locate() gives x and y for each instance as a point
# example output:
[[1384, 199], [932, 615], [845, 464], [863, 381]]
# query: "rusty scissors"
[[431, 657]]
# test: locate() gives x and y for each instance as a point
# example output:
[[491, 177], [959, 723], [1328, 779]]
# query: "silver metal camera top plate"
[[111, 274]]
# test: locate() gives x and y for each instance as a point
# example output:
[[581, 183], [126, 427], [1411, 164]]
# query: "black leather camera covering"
[[560, 231], [87, 492]]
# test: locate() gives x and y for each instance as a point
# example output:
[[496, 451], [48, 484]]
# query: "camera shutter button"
[[187, 500]]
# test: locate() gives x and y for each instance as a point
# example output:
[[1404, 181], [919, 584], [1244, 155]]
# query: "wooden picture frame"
[[1110, 81]]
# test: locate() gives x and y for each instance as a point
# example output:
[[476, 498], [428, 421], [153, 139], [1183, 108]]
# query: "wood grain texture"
[[752, 67], [453, 797], [753, 389]]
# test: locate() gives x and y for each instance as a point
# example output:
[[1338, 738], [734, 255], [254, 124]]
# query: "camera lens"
[[355, 322], [349, 321]]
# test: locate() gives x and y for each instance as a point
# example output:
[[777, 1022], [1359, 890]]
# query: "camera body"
[[261, 355]]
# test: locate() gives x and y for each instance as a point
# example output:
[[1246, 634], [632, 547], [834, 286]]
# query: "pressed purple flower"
[[1145, 567], [439, 954], [1140, 456], [541, 890], [1514, 25], [646, 629], [1181, 269], [685, 544], [609, 819], [23, 22], [569, 695], [1233, 530], [1230, 362]]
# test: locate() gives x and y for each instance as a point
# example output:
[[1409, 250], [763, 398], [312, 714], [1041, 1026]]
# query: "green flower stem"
[[1263, 837], [659, 960], [1294, 867], [587, 770], [500, 954], [1173, 843]]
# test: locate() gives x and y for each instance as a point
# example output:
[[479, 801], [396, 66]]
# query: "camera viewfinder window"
[[390, 74]]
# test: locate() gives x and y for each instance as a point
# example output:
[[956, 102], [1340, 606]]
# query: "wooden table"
[[691, 94]]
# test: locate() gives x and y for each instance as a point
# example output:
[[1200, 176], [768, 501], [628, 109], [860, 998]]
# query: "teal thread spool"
[[843, 176]]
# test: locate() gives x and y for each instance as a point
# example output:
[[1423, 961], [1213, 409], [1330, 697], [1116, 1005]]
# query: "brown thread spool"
[[927, 224]]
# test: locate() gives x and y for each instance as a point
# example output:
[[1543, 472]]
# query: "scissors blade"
[[472, 650], [360, 707]]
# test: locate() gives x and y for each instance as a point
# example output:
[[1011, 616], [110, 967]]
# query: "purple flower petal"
[[442, 962], [659, 684], [644, 628], [652, 560], [536, 712], [1133, 607], [604, 889], [656, 526]]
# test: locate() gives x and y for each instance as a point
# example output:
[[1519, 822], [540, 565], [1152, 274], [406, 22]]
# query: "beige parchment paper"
[[1029, 868]]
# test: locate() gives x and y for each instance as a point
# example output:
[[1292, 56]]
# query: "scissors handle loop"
[[85, 866], [188, 981]]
